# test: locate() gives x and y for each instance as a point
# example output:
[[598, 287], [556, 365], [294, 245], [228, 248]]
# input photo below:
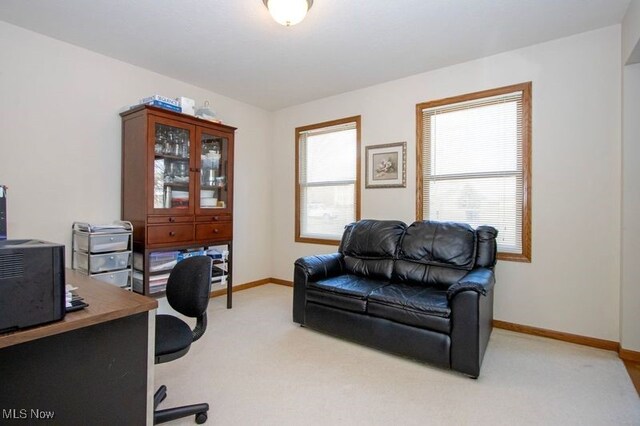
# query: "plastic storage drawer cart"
[[104, 252]]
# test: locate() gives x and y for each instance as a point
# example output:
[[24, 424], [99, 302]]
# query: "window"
[[327, 179], [474, 164]]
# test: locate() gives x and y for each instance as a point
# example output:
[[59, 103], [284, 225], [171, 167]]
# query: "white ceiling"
[[234, 48]]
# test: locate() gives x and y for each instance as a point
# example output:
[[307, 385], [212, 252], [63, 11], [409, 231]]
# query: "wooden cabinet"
[[177, 184]]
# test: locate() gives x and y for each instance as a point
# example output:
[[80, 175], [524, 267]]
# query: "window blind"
[[473, 165], [327, 179]]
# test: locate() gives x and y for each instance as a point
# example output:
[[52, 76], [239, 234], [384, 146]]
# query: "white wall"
[[60, 143], [60, 157], [630, 284], [573, 282]]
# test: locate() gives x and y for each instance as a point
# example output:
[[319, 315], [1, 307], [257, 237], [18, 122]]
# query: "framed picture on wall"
[[385, 165]]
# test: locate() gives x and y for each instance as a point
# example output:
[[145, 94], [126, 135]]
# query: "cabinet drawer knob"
[[216, 218], [216, 231], [172, 234], [172, 219]]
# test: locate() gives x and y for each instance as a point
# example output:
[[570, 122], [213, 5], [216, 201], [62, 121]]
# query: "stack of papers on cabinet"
[[162, 102]]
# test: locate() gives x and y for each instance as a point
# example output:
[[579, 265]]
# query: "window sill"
[[317, 241], [514, 257]]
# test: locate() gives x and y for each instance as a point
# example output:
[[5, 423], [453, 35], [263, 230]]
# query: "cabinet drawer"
[[169, 233], [169, 219], [214, 218], [208, 231]]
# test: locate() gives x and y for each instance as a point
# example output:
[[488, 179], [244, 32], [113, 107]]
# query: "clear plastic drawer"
[[101, 243], [119, 278], [163, 260], [102, 262]]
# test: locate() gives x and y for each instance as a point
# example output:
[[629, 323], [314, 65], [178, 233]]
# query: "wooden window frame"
[[298, 131], [525, 88]]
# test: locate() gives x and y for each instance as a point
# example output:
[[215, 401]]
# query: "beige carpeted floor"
[[254, 366]]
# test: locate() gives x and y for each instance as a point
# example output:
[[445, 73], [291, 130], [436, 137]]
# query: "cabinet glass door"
[[171, 171], [214, 171]]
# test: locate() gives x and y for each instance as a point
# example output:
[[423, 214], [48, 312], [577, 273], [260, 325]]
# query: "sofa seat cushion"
[[419, 306], [344, 291]]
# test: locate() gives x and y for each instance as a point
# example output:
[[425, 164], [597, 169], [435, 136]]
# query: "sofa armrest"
[[480, 280], [312, 268], [321, 266]]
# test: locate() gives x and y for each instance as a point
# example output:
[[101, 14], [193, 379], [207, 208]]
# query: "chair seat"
[[172, 335], [419, 306], [345, 291]]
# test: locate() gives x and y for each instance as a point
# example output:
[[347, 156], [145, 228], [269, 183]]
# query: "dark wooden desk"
[[93, 367]]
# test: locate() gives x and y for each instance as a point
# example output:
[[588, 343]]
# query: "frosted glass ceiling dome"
[[288, 12]]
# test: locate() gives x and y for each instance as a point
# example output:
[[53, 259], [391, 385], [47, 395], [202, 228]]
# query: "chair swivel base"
[[162, 416]]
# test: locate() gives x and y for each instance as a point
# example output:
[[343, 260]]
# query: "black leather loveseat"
[[424, 291]]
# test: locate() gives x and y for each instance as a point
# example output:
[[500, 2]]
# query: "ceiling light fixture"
[[288, 12]]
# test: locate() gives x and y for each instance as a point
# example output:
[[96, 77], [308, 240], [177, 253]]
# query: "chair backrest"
[[189, 286]]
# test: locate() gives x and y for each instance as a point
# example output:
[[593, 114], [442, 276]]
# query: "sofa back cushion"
[[436, 253], [369, 247]]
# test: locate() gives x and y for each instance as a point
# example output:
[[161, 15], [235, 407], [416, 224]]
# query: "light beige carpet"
[[254, 366]]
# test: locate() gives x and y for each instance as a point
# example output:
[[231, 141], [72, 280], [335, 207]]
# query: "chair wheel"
[[201, 417]]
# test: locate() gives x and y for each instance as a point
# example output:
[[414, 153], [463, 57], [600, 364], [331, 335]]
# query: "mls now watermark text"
[[26, 413]]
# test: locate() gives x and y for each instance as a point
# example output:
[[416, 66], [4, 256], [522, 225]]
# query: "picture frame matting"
[[386, 165]]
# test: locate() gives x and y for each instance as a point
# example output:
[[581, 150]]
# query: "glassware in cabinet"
[[172, 167], [214, 171]]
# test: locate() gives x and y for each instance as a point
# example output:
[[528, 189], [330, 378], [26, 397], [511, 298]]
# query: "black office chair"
[[188, 290]]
